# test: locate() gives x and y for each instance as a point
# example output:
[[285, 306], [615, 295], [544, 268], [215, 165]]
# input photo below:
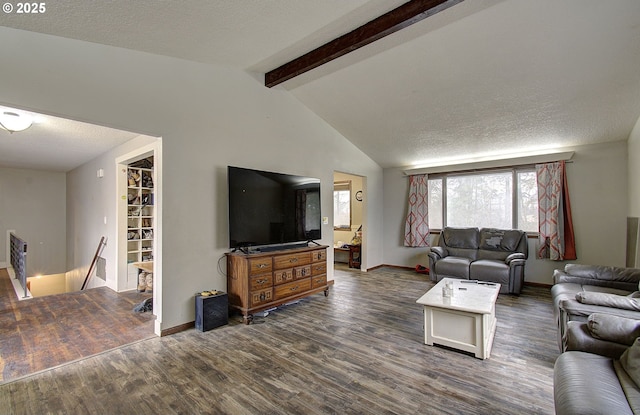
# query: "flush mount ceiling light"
[[13, 121]]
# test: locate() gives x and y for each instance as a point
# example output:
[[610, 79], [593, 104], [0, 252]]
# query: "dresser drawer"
[[292, 260], [261, 297], [318, 281], [302, 272], [283, 275], [319, 268], [292, 288], [319, 255], [260, 265], [260, 282]]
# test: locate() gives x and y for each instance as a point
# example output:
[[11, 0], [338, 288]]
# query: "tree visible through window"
[[483, 199], [342, 205], [506, 199], [527, 199]]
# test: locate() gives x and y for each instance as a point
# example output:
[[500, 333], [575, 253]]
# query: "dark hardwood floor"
[[358, 351], [45, 332]]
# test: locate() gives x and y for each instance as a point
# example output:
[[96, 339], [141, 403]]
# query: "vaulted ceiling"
[[483, 77]]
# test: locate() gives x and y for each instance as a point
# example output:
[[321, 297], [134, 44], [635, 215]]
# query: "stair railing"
[[101, 245]]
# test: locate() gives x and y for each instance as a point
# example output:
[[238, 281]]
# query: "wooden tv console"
[[264, 280]]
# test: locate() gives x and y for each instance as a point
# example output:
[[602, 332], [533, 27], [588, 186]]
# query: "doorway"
[[139, 250], [348, 218]]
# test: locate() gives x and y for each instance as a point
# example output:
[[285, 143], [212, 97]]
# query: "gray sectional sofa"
[[579, 291], [597, 310], [487, 254], [587, 383]]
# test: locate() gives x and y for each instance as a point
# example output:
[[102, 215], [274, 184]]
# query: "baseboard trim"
[[528, 283], [538, 284], [177, 329], [390, 266]]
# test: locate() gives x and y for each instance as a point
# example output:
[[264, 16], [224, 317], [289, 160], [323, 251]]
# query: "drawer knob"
[[292, 260], [262, 265], [294, 288]]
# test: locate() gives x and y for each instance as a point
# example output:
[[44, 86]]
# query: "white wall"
[[633, 192], [89, 201], [598, 190], [32, 203], [41, 286], [208, 117], [633, 173]]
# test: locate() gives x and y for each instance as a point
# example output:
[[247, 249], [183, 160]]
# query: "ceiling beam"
[[391, 22]]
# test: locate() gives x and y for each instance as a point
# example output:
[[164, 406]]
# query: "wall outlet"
[[325, 220]]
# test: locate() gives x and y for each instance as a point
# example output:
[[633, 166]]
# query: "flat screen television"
[[270, 210]]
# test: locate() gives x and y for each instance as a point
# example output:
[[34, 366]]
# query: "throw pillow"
[[630, 361], [499, 239], [613, 328], [609, 300]]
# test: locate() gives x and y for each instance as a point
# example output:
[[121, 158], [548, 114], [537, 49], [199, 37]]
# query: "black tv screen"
[[267, 208]]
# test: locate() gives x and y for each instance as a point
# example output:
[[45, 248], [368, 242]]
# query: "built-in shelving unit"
[[140, 211]]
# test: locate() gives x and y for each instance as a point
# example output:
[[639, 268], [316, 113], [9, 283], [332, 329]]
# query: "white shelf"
[[140, 212]]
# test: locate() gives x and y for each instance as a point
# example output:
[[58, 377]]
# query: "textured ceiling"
[[57, 144], [515, 76], [483, 77]]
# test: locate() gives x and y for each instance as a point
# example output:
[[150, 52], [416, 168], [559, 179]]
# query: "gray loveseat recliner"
[[487, 254]]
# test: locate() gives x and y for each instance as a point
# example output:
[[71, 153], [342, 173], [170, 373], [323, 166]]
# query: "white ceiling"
[[483, 77], [56, 144]]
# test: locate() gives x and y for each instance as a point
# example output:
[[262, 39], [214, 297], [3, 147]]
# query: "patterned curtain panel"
[[556, 238], [416, 228]]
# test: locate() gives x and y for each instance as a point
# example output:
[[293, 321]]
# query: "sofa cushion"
[[489, 270], [585, 383], [630, 388], [453, 267], [568, 290], [609, 300], [578, 337], [575, 310], [600, 272], [471, 254], [499, 239], [630, 361], [613, 328], [493, 255], [466, 238]]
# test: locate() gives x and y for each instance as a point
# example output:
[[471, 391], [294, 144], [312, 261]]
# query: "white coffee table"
[[466, 321]]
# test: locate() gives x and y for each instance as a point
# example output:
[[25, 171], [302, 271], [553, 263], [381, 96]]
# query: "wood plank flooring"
[[44, 332], [358, 351]]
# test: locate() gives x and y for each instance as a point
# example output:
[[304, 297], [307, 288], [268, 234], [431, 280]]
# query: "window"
[[342, 205], [527, 201], [505, 199]]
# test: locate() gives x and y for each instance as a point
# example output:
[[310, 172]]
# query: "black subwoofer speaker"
[[211, 311]]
